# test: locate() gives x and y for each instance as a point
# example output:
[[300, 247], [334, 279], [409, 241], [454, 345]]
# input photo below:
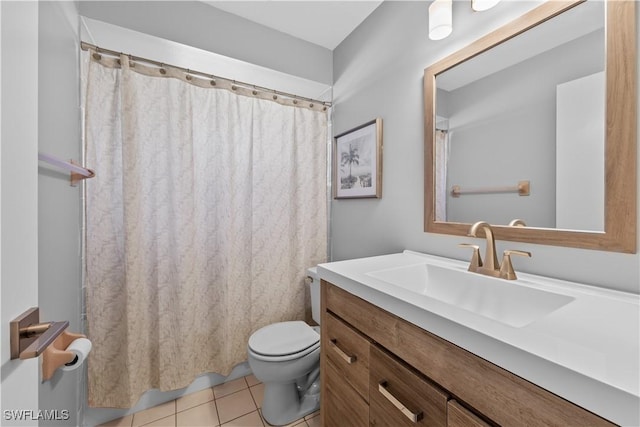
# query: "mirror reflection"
[[531, 109]]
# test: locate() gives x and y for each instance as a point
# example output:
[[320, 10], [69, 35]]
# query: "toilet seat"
[[284, 341]]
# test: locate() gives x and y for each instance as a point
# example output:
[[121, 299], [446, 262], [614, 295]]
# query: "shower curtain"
[[442, 157], [206, 209]]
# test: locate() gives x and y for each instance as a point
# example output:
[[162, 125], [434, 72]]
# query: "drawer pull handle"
[[413, 416], [341, 353]]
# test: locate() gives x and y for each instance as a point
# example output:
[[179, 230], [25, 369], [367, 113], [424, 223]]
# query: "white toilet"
[[285, 356]]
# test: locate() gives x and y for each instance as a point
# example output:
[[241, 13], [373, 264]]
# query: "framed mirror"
[[537, 121]]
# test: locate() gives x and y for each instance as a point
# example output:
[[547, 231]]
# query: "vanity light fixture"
[[480, 5], [441, 16], [440, 19]]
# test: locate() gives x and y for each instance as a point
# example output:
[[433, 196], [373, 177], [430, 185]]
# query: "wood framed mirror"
[[616, 189]]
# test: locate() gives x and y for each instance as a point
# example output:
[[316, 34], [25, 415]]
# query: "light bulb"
[[440, 19], [480, 5]]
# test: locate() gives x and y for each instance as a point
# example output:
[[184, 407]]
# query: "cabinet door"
[[399, 397], [458, 416], [349, 352], [341, 405]]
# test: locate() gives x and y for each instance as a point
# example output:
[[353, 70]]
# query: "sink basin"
[[510, 302]]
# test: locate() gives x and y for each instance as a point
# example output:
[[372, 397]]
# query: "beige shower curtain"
[[206, 209], [442, 158]]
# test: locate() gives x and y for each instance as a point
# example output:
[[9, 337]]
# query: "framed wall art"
[[357, 162]]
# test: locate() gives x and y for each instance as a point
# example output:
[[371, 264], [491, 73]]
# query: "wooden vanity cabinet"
[[411, 371]]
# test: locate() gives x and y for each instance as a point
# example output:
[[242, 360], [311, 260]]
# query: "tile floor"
[[233, 404]]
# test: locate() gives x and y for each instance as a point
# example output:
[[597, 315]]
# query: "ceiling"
[[325, 23]]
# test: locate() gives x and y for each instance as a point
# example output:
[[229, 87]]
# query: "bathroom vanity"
[[398, 349]]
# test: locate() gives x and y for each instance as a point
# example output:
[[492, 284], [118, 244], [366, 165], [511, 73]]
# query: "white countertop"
[[586, 351]]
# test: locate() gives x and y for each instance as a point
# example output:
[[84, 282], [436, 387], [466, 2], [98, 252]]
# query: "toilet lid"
[[283, 338]]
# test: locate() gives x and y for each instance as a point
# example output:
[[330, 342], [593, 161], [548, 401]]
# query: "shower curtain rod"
[[88, 46]]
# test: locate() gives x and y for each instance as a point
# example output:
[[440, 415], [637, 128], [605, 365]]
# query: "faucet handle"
[[476, 260], [506, 269], [517, 223]]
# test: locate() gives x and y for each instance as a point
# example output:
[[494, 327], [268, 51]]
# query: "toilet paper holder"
[[29, 338]]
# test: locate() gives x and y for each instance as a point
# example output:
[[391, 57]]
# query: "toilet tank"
[[314, 287]]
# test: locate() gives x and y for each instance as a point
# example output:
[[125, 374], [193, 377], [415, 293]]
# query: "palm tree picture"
[[349, 158], [357, 162]]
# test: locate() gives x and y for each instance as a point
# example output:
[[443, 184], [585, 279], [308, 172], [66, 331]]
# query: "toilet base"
[[282, 403]]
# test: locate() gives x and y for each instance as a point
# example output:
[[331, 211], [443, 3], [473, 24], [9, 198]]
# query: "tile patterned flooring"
[[233, 404]]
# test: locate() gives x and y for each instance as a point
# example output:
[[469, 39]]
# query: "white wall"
[[580, 148], [121, 39], [59, 204], [197, 24], [19, 203], [378, 72], [41, 213]]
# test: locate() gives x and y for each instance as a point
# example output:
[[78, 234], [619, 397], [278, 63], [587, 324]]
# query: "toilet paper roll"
[[81, 348]]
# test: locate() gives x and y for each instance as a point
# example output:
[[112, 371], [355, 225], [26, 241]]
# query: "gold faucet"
[[491, 267]]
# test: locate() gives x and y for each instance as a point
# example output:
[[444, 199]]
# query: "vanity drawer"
[[459, 416], [348, 350], [341, 405], [400, 397]]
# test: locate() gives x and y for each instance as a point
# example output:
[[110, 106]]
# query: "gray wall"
[[199, 25], [378, 72], [59, 204]]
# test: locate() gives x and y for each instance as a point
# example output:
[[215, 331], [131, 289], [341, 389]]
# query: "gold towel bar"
[[523, 189]]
